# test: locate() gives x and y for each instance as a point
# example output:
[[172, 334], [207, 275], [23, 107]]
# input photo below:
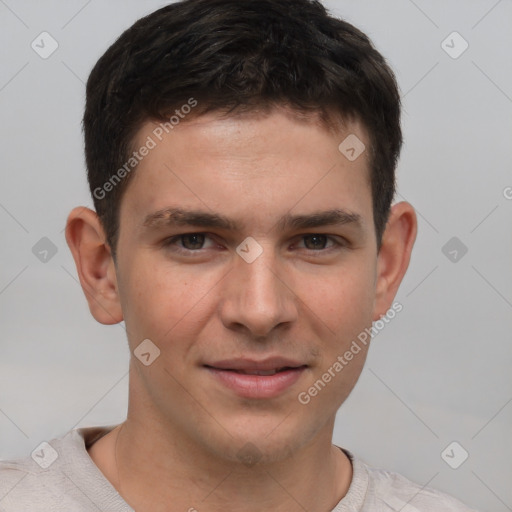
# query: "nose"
[[257, 298]]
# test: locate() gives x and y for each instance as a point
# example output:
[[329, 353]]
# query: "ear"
[[94, 263], [394, 255]]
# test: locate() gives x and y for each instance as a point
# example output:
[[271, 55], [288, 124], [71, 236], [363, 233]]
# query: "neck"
[[149, 472]]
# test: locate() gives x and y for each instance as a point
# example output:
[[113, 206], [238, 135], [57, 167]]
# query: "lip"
[[257, 386], [270, 363]]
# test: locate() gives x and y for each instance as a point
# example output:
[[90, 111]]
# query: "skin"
[[304, 298]]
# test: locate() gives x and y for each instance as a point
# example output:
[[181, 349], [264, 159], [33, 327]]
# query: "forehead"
[[272, 161], [262, 132]]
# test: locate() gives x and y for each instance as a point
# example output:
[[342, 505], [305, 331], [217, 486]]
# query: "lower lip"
[[258, 386]]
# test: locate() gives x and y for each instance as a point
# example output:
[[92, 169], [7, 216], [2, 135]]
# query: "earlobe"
[[394, 256], [95, 267]]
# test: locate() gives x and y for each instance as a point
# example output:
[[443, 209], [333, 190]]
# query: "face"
[[247, 255]]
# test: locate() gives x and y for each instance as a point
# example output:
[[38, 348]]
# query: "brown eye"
[[315, 242], [192, 241], [188, 243]]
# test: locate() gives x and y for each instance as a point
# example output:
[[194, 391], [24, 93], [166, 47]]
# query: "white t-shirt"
[[62, 477]]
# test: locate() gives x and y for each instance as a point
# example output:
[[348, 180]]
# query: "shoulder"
[[403, 494], [23, 482], [58, 475], [389, 491]]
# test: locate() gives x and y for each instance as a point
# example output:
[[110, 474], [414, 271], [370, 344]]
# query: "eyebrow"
[[180, 217]]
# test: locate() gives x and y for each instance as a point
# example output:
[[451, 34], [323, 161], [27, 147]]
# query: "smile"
[[250, 379]]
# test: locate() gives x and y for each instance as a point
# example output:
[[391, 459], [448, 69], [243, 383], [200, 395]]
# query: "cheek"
[[161, 301], [345, 355], [345, 306], [343, 299]]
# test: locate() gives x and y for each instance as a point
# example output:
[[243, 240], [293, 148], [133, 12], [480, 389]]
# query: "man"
[[241, 159]]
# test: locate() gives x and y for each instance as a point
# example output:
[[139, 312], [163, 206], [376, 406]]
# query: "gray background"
[[439, 372]]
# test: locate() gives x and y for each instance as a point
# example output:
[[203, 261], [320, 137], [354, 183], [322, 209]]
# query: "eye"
[[190, 242], [317, 242], [193, 240]]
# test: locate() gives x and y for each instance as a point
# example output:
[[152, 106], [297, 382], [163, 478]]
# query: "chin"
[[256, 451], [262, 443]]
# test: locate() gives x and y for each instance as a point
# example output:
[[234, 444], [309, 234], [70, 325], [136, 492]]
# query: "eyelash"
[[170, 242]]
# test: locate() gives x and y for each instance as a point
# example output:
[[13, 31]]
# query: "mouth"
[[258, 372], [253, 379]]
